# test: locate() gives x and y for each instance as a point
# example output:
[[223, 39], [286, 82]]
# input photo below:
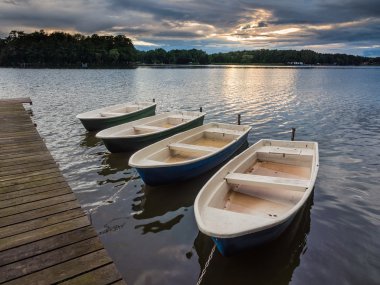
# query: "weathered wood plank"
[[37, 213], [45, 174], [33, 191], [15, 132], [107, 274], [19, 146], [22, 151], [24, 160], [42, 233], [48, 259], [33, 184], [66, 270], [40, 223], [26, 137], [14, 178], [16, 100], [36, 205], [120, 282], [28, 168], [45, 245], [25, 166], [19, 176], [33, 198], [13, 141]]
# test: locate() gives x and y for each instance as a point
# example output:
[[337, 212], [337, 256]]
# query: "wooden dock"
[[45, 237]]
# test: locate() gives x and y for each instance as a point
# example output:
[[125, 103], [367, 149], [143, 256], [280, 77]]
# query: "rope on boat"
[[206, 265], [109, 199]]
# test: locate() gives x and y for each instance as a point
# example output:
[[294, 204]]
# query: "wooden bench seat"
[[286, 150], [111, 114], [145, 128], [184, 117], [224, 131], [267, 181], [192, 148]]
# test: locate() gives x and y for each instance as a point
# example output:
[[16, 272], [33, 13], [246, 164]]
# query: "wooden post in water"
[[239, 117], [200, 109], [154, 100], [293, 133]]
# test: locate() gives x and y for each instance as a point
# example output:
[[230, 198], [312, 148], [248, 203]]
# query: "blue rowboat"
[[189, 154], [110, 116], [254, 197], [141, 133]]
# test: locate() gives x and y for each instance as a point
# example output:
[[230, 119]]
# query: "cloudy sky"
[[347, 26]]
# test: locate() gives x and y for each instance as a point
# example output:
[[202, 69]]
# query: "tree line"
[[59, 49]]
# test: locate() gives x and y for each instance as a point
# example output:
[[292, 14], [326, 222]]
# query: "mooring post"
[[154, 100], [200, 109], [239, 117], [293, 133]]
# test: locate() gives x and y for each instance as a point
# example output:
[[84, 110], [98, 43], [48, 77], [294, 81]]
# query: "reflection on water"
[[90, 140], [151, 233], [273, 263]]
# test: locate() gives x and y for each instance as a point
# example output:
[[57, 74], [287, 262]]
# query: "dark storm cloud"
[[207, 23], [219, 13], [176, 34]]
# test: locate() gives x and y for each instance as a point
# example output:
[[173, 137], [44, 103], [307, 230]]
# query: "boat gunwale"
[[96, 112]]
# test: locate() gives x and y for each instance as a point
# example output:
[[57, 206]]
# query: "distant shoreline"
[[213, 65]]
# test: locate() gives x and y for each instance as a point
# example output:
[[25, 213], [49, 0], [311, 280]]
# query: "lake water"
[[151, 233]]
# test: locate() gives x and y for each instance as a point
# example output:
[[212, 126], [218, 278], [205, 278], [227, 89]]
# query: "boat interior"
[[120, 110], [200, 144], [156, 126], [268, 184]]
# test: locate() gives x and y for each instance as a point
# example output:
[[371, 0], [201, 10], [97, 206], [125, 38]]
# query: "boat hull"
[[236, 245], [138, 142], [170, 174], [99, 124]]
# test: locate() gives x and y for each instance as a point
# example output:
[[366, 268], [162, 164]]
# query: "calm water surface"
[[150, 232]]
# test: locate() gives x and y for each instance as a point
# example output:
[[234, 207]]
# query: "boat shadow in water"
[[159, 200], [273, 263], [114, 163], [89, 140]]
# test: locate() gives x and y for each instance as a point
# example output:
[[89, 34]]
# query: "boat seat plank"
[[111, 114], [192, 148], [287, 150], [224, 131], [267, 181], [143, 128], [227, 221], [181, 117]]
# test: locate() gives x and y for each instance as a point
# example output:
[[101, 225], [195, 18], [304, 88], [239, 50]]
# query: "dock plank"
[[33, 198], [36, 205], [45, 232], [66, 270], [37, 213], [38, 247], [45, 236], [40, 223], [42, 261], [17, 101], [33, 191], [103, 275], [31, 185]]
